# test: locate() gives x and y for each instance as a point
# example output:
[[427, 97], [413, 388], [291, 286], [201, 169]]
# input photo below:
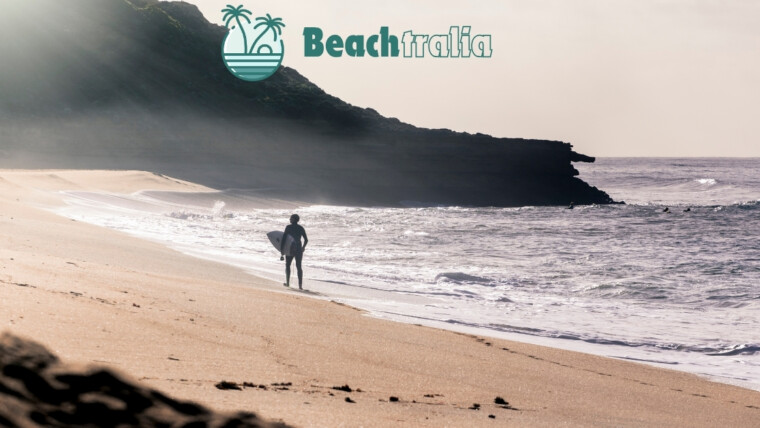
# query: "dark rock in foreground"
[[36, 389]]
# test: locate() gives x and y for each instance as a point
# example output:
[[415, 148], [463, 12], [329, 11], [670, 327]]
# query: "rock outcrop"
[[140, 84], [36, 389]]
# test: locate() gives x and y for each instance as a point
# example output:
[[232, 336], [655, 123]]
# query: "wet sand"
[[211, 333]]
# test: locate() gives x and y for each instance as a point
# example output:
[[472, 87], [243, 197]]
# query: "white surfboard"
[[275, 237]]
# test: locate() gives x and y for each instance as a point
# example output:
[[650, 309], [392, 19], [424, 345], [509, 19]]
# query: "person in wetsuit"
[[296, 252]]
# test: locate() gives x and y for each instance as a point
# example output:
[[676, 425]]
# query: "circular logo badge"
[[253, 49]]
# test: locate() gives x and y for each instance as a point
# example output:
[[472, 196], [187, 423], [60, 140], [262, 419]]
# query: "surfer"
[[296, 231]]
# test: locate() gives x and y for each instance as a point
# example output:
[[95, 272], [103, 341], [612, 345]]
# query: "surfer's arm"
[[305, 239]]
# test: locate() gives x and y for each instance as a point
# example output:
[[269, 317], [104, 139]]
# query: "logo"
[[252, 50], [458, 43]]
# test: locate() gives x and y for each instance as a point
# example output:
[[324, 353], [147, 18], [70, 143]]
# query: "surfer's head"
[[294, 219]]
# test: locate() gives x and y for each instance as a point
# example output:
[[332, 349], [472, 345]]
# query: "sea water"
[[678, 289]]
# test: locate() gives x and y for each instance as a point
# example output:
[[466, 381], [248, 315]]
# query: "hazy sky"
[[612, 77]]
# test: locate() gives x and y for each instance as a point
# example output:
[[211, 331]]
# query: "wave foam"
[[707, 181]]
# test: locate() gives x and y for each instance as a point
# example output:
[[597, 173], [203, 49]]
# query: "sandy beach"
[[183, 325]]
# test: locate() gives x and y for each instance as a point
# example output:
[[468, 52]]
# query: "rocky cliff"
[[140, 84]]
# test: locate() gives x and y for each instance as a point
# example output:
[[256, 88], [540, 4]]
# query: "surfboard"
[[275, 237]]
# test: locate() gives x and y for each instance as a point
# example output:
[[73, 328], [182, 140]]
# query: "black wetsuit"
[[296, 231]]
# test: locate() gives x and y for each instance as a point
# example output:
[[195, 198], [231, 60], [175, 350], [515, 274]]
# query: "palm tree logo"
[[275, 25], [256, 61], [236, 13]]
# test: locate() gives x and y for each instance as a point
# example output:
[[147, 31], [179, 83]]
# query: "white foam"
[[706, 181], [583, 280]]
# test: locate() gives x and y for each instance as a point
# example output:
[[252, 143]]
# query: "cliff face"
[[140, 84]]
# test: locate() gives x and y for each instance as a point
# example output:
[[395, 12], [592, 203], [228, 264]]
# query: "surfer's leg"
[[288, 261], [299, 257]]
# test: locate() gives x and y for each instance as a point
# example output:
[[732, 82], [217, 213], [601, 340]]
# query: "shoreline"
[[378, 302], [230, 319], [572, 345]]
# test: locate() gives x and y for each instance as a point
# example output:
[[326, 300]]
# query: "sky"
[[612, 77]]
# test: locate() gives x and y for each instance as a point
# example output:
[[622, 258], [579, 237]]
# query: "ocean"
[[677, 289]]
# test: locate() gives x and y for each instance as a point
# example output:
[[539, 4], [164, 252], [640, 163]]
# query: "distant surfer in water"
[[297, 232]]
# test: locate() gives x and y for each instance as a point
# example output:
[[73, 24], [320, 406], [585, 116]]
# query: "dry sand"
[[182, 325]]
